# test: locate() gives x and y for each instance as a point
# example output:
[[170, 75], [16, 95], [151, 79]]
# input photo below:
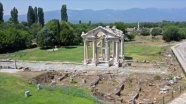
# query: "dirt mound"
[[45, 77]]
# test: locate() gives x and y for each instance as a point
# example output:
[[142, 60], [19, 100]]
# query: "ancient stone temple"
[[107, 46]]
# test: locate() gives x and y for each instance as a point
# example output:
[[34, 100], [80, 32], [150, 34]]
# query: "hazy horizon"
[[51, 5]]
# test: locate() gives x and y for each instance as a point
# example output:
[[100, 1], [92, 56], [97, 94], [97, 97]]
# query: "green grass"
[[136, 51], [12, 88], [133, 50], [68, 54]]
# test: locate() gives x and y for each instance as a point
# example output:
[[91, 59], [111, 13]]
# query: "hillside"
[[109, 15]]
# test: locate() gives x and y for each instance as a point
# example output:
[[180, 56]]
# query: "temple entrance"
[[105, 46]]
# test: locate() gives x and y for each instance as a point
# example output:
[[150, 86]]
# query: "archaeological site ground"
[[150, 74]]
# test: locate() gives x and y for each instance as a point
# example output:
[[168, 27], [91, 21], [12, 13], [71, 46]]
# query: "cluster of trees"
[[174, 33], [171, 31], [35, 15], [154, 32], [15, 35]]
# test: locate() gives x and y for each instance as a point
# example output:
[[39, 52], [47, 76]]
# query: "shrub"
[[156, 31], [171, 33], [170, 76], [73, 82], [145, 32], [157, 77]]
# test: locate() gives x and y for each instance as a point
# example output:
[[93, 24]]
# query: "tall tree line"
[[14, 15], [35, 15], [64, 16], [41, 16], [30, 16], [1, 12]]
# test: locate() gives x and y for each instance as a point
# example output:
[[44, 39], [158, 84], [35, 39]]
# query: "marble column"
[[114, 49], [85, 58], [97, 55], [107, 52], [117, 53], [122, 48], [102, 46], [87, 51], [94, 52]]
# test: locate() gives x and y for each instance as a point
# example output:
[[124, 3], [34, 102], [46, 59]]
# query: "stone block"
[[27, 93], [38, 86]]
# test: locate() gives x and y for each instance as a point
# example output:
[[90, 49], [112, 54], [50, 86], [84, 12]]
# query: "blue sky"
[[49, 5]]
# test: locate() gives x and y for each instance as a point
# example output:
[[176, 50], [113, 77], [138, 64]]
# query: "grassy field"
[[138, 51], [12, 88], [64, 54], [133, 50]]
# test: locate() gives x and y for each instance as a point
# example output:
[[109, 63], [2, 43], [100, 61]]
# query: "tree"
[[64, 16], [36, 14], [121, 26], [182, 32], [12, 39], [1, 12], [34, 29], [14, 15], [66, 34], [171, 33], [46, 38], [54, 26], [79, 21], [41, 16], [145, 32], [165, 23], [156, 31], [30, 16], [77, 30], [89, 22], [131, 36]]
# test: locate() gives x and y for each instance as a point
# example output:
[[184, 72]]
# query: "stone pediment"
[[103, 32]]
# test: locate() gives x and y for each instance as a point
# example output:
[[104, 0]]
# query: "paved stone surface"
[[180, 53], [179, 100], [9, 70]]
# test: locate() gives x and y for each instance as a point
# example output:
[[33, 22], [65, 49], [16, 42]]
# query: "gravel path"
[[40, 65], [9, 70]]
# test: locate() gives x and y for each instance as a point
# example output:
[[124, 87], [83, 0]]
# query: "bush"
[[170, 77], [156, 31], [182, 32], [171, 33], [157, 77], [145, 32], [46, 38], [73, 82], [131, 36]]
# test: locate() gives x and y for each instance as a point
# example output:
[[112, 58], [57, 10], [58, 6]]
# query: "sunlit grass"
[[134, 50], [12, 88]]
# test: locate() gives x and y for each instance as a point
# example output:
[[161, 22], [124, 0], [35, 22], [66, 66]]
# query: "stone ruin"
[[106, 43]]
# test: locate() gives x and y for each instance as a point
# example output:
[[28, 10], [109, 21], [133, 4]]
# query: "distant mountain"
[[108, 15]]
